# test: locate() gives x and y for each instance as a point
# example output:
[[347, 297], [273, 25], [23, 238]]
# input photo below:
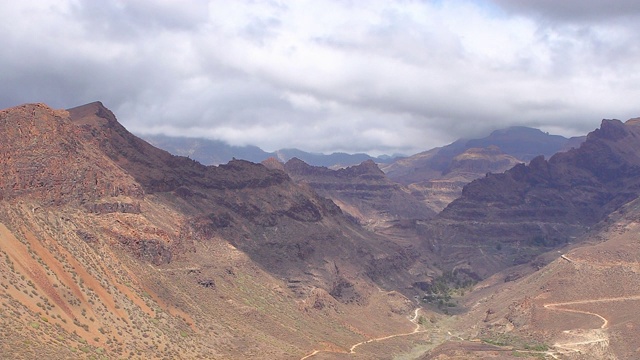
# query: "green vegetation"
[[536, 347], [495, 342], [520, 348], [449, 284], [546, 241]]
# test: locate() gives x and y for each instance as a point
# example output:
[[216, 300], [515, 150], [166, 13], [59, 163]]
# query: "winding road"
[[582, 337], [588, 336], [352, 350]]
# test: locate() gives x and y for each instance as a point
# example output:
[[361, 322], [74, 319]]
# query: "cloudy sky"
[[323, 76]]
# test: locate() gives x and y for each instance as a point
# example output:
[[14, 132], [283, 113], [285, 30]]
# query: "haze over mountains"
[[520, 142], [113, 248], [216, 152]]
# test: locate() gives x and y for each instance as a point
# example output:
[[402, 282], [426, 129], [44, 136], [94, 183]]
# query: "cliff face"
[[545, 203], [581, 185], [363, 191]]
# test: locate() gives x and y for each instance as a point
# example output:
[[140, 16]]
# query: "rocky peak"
[[94, 111], [273, 163], [157, 170], [295, 165], [611, 130], [44, 157], [368, 167]]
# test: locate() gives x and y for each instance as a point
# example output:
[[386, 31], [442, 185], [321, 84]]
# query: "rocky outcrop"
[[44, 157], [113, 207], [363, 191]]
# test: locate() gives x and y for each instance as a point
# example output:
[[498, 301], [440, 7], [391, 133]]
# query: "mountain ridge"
[[544, 204]]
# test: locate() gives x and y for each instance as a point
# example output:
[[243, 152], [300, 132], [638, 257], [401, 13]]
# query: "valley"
[[111, 248]]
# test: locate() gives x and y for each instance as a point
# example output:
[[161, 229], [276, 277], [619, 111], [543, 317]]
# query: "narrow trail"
[[416, 330], [589, 336], [593, 336], [558, 307], [352, 350]]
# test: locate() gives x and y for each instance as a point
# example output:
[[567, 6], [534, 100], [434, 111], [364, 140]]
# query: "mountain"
[[215, 152], [440, 173], [521, 142], [363, 191], [112, 248], [513, 216], [518, 142], [206, 151]]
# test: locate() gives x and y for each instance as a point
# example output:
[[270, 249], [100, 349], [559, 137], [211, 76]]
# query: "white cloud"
[[372, 76]]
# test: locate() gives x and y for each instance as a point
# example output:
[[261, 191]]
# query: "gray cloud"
[[573, 10], [379, 77]]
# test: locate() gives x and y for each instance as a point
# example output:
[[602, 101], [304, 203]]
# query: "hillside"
[[113, 248]]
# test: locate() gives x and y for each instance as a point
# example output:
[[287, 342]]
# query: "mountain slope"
[[37, 146]]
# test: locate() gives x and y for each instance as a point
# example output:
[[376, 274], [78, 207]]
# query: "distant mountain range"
[[216, 152], [435, 176], [439, 174], [519, 142], [522, 143]]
